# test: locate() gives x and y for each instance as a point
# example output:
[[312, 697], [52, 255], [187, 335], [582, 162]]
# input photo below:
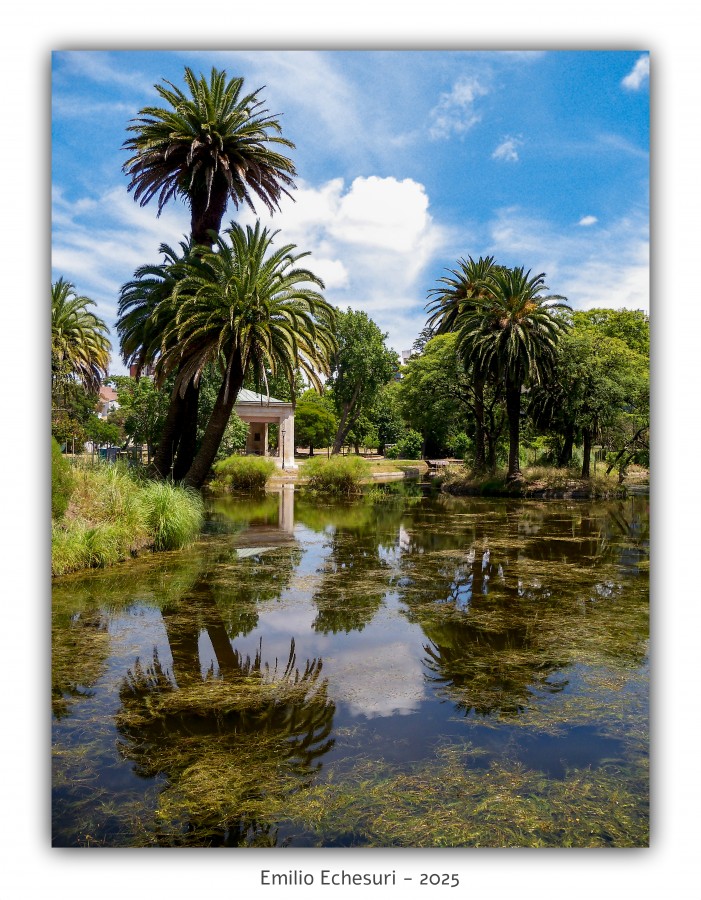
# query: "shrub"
[[459, 445], [173, 515], [242, 473], [409, 445], [61, 481], [338, 475]]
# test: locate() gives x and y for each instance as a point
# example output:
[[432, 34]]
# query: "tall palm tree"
[[249, 309], [512, 331], [80, 347], [451, 302], [146, 309], [210, 144]]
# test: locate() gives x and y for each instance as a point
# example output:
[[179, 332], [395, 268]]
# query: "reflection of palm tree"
[[227, 740]]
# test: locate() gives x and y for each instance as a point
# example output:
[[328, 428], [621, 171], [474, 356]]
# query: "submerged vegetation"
[[113, 515]]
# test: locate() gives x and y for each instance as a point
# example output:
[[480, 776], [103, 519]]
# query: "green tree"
[[315, 421], [458, 295], [211, 143], [80, 348], [142, 409], [512, 331], [245, 308], [362, 365]]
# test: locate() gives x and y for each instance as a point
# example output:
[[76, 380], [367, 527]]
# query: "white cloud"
[[586, 221], [507, 149], [639, 74], [455, 113], [601, 267], [371, 242]]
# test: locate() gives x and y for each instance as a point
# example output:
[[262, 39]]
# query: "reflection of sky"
[[375, 672]]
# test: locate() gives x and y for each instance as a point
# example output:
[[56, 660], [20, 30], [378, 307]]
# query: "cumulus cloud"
[[455, 112], [507, 150], [370, 241], [585, 221], [639, 74]]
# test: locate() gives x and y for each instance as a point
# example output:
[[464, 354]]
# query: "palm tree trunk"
[[513, 411], [188, 437], [480, 456], [170, 439], [219, 419]]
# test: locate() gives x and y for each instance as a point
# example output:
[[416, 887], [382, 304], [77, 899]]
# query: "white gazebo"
[[259, 411]]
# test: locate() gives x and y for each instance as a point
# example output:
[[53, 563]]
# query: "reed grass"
[[342, 475], [112, 515]]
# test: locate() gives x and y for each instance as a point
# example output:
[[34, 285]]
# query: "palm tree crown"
[[455, 297], [211, 145], [247, 308], [511, 329], [79, 343]]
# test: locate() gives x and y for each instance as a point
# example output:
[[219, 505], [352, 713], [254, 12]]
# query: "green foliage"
[[337, 475], [315, 421], [114, 516], [408, 447], [142, 408], [362, 365], [173, 516], [80, 348], [632, 326], [459, 445], [100, 431], [61, 481], [242, 473]]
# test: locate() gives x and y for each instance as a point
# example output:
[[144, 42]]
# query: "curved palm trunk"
[[219, 419], [170, 439], [513, 411]]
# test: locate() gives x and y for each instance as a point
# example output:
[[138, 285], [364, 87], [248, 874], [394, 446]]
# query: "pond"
[[406, 669]]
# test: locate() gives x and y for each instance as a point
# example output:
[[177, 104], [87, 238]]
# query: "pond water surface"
[[407, 670]]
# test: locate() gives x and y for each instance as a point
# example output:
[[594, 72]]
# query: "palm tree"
[[146, 309], [206, 148], [248, 309], [211, 143], [451, 303], [512, 331], [80, 347]]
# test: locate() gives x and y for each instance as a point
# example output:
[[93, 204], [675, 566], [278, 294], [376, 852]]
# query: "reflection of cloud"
[[382, 681], [639, 74]]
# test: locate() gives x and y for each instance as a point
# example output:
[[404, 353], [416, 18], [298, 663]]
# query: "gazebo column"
[[286, 440]]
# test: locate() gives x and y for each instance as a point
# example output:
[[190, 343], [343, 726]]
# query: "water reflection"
[[198, 676]]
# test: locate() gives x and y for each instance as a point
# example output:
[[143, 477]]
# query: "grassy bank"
[[112, 515], [537, 482], [242, 473]]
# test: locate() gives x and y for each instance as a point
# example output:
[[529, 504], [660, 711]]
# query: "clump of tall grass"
[[337, 475], [242, 473], [172, 515], [61, 481], [113, 515]]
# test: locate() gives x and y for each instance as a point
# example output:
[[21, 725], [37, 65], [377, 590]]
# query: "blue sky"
[[406, 161]]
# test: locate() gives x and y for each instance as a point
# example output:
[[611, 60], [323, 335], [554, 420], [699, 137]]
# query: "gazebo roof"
[[246, 396]]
